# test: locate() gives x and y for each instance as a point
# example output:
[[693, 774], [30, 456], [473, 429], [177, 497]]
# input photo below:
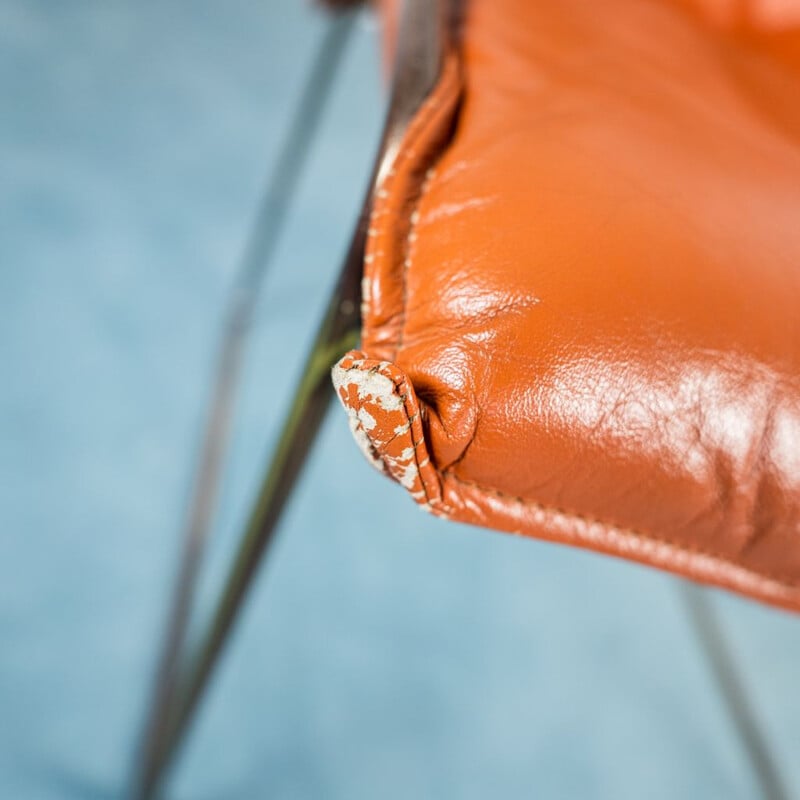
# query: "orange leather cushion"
[[582, 288]]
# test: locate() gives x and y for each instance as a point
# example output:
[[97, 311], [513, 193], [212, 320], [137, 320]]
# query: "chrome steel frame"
[[181, 681]]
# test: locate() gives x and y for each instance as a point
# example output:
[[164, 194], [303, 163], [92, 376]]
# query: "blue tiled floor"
[[384, 653]]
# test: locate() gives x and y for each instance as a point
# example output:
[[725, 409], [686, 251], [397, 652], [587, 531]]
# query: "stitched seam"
[[415, 445], [430, 174], [447, 90], [407, 153], [783, 580]]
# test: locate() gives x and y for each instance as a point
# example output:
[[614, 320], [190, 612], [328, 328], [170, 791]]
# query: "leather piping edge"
[[469, 502], [392, 219]]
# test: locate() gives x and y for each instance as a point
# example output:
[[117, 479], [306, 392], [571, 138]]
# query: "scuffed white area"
[[372, 386], [375, 387], [362, 440], [406, 474], [367, 420]]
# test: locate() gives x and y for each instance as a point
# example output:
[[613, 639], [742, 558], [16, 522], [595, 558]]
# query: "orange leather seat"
[[582, 286]]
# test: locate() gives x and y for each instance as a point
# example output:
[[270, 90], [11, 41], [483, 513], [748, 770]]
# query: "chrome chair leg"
[[722, 664], [237, 323], [181, 682]]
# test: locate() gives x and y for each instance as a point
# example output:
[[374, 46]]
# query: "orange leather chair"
[[581, 313]]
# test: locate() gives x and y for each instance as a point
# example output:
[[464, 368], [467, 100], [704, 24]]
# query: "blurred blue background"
[[383, 653]]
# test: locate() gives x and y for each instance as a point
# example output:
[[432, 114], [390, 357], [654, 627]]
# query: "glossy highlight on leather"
[[584, 269]]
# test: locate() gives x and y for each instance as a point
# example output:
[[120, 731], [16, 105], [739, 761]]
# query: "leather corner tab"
[[385, 419]]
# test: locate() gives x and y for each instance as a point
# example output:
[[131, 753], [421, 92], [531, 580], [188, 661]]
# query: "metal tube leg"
[[723, 668], [244, 297], [418, 62], [309, 405]]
